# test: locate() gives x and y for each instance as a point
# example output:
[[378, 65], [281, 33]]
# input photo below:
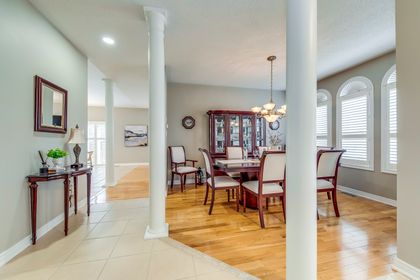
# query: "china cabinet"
[[236, 129]]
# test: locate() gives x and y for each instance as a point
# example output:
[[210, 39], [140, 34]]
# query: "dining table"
[[248, 168]]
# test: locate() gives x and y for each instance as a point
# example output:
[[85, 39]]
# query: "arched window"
[[323, 118], [389, 121], [355, 122]]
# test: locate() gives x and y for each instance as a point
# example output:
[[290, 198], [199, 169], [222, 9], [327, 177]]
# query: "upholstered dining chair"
[[328, 162], [179, 166], [272, 173], [234, 153], [217, 182]]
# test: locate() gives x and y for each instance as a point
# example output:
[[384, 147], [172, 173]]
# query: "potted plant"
[[56, 154]]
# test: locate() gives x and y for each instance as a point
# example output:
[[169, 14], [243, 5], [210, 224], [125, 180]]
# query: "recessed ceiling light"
[[108, 40]]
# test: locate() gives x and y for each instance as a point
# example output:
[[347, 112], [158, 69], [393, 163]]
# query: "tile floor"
[[110, 245], [393, 276]]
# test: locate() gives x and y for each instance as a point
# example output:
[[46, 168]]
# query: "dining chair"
[[217, 182], [261, 150], [319, 148], [328, 162], [272, 174], [234, 153], [179, 166]]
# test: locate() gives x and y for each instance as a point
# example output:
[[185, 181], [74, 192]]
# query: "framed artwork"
[[135, 136]]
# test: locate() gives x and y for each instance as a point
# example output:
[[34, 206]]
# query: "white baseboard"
[[132, 164], [370, 196], [406, 269], [13, 251], [154, 235]]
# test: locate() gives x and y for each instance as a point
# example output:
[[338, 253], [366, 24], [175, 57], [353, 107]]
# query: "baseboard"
[[132, 164], [406, 269], [16, 249], [370, 196]]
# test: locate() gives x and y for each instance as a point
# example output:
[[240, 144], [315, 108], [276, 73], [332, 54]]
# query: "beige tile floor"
[[110, 245], [393, 276]]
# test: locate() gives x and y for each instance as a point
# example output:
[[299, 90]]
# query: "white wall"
[[30, 46], [408, 179]]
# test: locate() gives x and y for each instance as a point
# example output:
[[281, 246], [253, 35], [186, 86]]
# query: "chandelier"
[[268, 110]]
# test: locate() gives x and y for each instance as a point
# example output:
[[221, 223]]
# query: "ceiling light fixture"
[[268, 111], [108, 40]]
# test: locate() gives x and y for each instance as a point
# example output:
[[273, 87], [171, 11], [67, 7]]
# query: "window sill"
[[387, 171], [367, 168]]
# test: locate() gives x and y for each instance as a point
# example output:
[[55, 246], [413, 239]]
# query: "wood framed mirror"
[[50, 107]]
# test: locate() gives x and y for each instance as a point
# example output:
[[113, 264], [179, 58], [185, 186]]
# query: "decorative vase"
[[57, 162]]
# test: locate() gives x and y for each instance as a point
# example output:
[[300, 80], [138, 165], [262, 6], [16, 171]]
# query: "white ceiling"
[[217, 42]]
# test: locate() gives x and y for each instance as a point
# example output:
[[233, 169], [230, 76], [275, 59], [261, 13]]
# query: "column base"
[[154, 235]]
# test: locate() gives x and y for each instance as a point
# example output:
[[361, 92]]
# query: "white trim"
[[367, 195], [329, 113], [386, 167], [406, 269], [154, 235], [132, 164], [369, 92], [19, 247]]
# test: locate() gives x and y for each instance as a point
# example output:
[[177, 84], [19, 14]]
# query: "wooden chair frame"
[[212, 186], [260, 196], [174, 169]]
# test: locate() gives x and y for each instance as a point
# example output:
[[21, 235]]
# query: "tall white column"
[[156, 19], [109, 126], [301, 227]]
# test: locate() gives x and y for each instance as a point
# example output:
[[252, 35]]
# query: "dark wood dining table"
[[249, 170]]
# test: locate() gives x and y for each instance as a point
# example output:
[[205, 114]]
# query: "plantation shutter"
[[322, 125]]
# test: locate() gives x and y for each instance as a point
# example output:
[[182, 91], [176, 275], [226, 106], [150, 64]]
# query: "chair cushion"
[[324, 184], [268, 188], [185, 169], [234, 174], [223, 182]]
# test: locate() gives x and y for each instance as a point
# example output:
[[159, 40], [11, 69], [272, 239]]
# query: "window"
[[389, 122], [323, 118], [355, 123], [96, 142]]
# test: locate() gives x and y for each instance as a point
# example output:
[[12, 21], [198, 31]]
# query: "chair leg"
[[195, 179], [182, 183], [317, 214], [284, 208], [228, 194], [267, 200], [244, 199], [260, 212], [237, 199], [334, 199], [233, 194], [329, 195], [185, 181], [212, 200], [172, 180], [207, 193]]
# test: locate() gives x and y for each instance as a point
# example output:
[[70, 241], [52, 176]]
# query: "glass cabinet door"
[[219, 134], [260, 133], [234, 131], [247, 133]]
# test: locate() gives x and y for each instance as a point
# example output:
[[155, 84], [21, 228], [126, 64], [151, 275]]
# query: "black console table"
[[65, 175]]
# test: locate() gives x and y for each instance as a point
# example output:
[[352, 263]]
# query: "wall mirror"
[[50, 107]]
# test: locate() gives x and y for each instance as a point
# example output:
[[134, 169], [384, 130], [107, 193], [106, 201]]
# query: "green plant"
[[56, 153]]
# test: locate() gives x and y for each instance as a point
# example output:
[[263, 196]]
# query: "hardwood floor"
[[133, 185], [361, 244]]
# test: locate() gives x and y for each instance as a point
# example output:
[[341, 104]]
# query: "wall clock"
[[274, 125], [188, 122]]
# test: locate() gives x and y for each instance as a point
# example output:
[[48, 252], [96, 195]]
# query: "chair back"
[[177, 154], [208, 161], [328, 162], [234, 152], [273, 166]]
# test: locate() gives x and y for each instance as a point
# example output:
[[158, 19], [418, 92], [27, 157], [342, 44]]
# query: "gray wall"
[[123, 117], [30, 46], [196, 100], [408, 85], [375, 182]]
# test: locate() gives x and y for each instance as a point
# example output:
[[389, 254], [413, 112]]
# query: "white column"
[[301, 226], [156, 20], [109, 126]]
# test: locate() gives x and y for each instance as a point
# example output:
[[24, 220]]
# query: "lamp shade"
[[76, 136]]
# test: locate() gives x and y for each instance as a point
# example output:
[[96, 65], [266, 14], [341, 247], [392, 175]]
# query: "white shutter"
[[322, 125]]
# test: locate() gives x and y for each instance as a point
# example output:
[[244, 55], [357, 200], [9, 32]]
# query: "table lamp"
[[76, 137]]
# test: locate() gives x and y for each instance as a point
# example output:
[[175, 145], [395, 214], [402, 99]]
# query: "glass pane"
[[100, 130], [100, 151], [259, 126], [219, 126], [247, 132], [234, 131]]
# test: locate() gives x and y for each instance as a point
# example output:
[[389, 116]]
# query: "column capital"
[[107, 80], [150, 12]]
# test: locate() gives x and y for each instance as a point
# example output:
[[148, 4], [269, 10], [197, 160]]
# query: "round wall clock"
[[188, 122], [274, 125]]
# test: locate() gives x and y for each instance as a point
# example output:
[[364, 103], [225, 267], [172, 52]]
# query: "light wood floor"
[[361, 244], [133, 185]]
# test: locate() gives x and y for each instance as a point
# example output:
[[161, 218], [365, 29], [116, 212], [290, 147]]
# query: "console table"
[[64, 175]]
